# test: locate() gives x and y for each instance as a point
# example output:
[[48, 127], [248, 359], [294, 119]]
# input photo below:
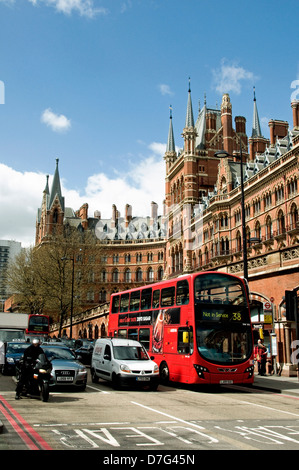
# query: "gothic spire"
[[56, 188], [170, 141], [46, 190], [189, 115], [256, 128]]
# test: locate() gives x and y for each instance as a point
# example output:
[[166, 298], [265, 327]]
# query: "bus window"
[[167, 296], [185, 340], [156, 298], [134, 301], [146, 299], [144, 337], [122, 333], [182, 295], [124, 303], [115, 304], [133, 334], [219, 289]]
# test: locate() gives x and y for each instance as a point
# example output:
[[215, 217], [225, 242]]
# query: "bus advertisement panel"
[[197, 327]]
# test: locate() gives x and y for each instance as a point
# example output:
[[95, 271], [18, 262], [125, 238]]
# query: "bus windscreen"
[[222, 318]]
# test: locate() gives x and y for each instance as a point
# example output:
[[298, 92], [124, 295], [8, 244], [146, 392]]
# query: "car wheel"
[[116, 382], [94, 377], [153, 387]]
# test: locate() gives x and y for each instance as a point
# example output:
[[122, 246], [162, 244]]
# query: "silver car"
[[67, 370]]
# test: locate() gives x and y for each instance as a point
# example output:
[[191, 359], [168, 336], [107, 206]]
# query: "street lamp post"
[[223, 154], [72, 294]]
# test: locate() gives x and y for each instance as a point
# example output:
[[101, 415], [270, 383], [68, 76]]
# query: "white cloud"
[[125, 6], [20, 195], [83, 7], [138, 187], [165, 89], [58, 123], [229, 76]]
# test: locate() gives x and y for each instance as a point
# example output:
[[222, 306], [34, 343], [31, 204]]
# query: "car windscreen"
[[59, 353], [130, 353]]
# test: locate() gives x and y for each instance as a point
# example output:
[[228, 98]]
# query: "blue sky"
[[90, 82]]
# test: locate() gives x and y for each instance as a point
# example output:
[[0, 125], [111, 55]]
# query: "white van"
[[123, 362]]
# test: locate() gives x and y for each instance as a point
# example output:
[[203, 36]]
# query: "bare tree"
[[23, 281], [66, 264], [55, 276]]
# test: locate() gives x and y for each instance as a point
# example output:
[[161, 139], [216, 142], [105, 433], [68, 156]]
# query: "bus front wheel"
[[164, 373]]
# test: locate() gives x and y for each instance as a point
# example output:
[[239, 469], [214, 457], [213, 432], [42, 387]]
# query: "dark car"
[[14, 350], [67, 369], [85, 352]]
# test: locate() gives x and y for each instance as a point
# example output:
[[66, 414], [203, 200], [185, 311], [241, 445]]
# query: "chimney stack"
[[278, 129], [226, 121], [295, 107]]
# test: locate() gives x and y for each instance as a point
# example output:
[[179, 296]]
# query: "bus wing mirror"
[[185, 336]]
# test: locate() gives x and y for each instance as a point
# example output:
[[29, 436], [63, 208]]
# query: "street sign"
[[267, 307]]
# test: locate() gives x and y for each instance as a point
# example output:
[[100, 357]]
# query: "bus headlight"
[[200, 370], [250, 371]]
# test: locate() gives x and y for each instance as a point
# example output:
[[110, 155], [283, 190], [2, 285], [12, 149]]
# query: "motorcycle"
[[37, 377]]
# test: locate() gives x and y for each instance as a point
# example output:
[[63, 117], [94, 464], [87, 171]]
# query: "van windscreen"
[[130, 353]]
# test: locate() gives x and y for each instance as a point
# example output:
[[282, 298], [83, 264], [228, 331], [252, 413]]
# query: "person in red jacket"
[[260, 355], [263, 355]]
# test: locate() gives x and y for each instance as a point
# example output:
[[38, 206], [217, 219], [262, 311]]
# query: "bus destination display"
[[221, 315]]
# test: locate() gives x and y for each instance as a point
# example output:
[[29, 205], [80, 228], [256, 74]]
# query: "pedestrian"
[[263, 358], [257, 356]]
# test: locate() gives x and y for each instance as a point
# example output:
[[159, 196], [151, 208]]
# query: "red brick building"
[[201, 224]]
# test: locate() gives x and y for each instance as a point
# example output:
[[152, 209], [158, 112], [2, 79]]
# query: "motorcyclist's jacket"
[[31, 354]]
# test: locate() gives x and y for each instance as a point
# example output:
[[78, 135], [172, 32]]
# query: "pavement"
[[270, 383], [277, 384]]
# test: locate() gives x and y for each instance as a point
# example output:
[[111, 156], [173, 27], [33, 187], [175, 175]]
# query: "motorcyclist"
[[29, 358]]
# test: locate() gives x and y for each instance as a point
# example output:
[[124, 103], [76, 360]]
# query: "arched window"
[[280, 223], [294, 216], [96, 332], [102, 295], [55, 216], [139, 275], [128, 275], [257, 230], [115, 275], [150, 275], [238, 242], [268, 228], [160, 273]]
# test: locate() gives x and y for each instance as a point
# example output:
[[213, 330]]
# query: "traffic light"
[[291, 305]]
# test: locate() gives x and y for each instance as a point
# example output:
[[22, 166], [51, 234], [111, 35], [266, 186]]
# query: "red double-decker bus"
[[38, 325], [197, 327]]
